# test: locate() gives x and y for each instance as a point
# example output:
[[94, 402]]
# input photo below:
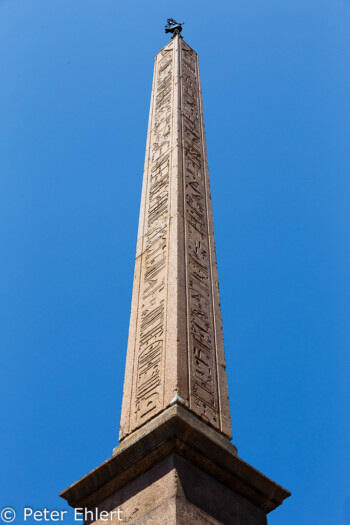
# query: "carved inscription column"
[[208, 396], [175, 349]]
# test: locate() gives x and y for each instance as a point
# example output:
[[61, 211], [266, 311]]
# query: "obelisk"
[[175, 463], [175, 350]]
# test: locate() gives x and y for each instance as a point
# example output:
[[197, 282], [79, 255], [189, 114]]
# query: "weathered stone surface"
[[176, 492], [175, 348]]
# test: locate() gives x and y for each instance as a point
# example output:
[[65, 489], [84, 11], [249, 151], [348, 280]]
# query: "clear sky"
[[75, 84]]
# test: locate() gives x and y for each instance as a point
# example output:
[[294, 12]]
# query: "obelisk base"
[[176, 471]]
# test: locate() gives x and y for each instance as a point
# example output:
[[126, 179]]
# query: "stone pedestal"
[[177, 471]]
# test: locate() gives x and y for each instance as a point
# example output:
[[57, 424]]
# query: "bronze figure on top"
[[173, 27]]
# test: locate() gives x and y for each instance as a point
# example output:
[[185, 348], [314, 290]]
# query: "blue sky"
[[74, 98]]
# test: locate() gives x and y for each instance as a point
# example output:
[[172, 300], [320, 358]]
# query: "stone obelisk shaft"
[[175, 350]]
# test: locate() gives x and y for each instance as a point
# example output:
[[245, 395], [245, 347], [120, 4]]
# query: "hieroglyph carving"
[[149, 372], [202, 336]]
